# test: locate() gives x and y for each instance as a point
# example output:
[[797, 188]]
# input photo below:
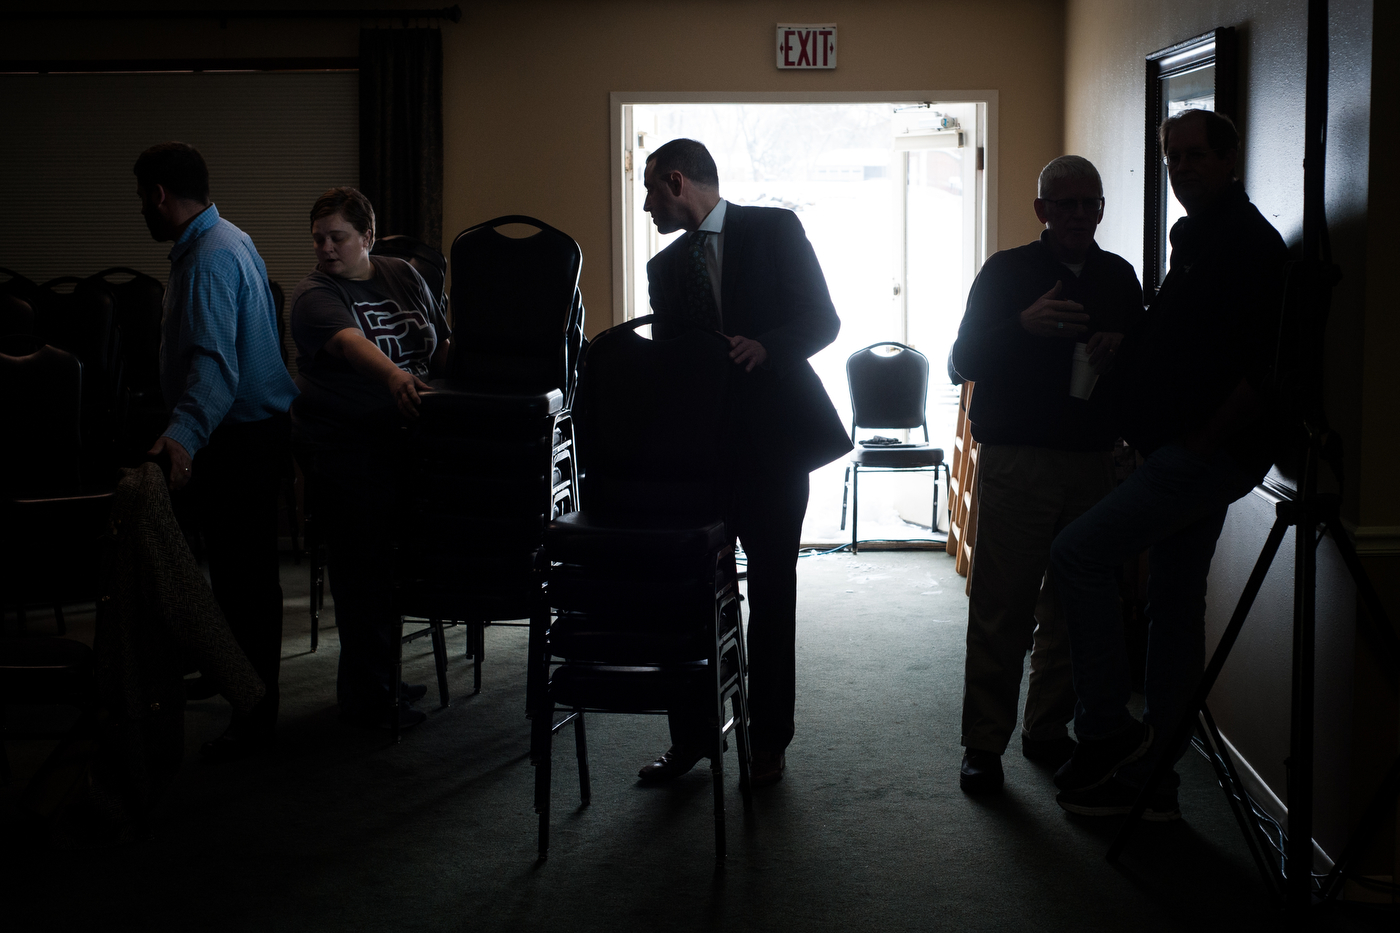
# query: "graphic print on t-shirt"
[[405, 337]]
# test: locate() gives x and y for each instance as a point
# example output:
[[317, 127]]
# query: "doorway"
[[892, 195]]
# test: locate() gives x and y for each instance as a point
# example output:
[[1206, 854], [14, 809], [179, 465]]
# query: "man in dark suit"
[[751, 274]]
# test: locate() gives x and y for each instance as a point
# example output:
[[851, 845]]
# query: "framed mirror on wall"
[[1197, 74]]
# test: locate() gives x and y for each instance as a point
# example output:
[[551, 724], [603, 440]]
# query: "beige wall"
[[526, 85]]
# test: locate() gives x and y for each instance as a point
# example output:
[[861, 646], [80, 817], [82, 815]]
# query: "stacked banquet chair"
[[80, 316], [141, 411], [491, 459], [643, 602], [51, 529]]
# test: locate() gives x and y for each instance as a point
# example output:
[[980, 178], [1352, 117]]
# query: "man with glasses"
[[1044, 459], [1198, 407]]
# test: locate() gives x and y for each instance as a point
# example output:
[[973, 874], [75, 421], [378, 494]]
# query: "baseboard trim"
[[1265, 799]]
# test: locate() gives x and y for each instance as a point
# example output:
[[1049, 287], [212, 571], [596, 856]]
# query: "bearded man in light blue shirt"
[[228, 439]]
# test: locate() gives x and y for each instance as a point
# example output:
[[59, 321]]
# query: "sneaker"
[[1116, 798], [1049, 752], [1096, 760], [981, 772]]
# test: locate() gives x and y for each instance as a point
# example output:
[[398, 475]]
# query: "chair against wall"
[[889, 391], [644, 613]]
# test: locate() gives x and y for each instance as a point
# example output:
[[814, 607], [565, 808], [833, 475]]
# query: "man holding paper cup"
[[1043, 324]]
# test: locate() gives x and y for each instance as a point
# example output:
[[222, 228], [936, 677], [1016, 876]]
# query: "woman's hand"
[[368, 360], [404, 388]]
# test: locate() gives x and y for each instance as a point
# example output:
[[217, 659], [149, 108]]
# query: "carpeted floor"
[[868, 831]]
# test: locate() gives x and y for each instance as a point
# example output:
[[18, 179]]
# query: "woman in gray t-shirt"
[[368, 334]]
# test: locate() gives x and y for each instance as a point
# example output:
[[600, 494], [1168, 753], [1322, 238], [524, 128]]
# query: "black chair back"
[[430, 263], [515, 305], [888, 389], [83, 320], [140, 300], [16, 315], [12, 283], [40, 422], [651, 421]]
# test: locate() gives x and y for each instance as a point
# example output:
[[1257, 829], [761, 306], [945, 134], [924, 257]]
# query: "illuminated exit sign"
[[806, 45]]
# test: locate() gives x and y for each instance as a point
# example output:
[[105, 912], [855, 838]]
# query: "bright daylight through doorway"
[[891, 197]]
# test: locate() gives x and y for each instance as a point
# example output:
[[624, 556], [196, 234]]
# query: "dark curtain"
[[401, 130]]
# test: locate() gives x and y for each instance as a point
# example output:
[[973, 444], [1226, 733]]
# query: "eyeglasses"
[[1068, 205]]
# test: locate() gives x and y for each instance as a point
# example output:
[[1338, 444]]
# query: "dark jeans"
[[768, 513], [234, 482], [1175, 503]]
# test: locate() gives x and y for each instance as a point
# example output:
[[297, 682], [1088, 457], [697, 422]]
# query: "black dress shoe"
[[1049, 752], [981, 772], [237, 744], [671, 765], [413, 692]]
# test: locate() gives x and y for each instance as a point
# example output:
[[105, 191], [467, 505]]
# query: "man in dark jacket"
[[1044, 458], [1198, 407], [751, 274]]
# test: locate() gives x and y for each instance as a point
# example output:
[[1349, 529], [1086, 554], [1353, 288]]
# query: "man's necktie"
[[700, 294]]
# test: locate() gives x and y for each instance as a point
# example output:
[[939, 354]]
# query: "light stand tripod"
[[1306, 306]]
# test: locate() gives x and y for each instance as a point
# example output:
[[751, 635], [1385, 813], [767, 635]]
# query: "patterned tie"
[[700, 294]]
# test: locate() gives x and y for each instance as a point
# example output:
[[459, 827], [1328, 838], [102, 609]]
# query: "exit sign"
[[806, 45]]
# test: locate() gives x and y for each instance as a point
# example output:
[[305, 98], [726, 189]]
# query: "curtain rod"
[[452, 13]]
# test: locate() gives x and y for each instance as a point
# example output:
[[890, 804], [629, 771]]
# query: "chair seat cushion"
[[633, 688], [38, 670], [612, 639], [454, 398], [587, 538], [900, 457]]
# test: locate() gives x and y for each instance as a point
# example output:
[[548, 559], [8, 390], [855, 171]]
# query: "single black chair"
[[644, 613], [889, 391]]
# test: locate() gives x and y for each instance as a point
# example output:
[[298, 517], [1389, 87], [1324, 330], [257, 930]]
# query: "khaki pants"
[[1025, 495]]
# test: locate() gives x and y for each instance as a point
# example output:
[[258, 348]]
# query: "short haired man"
[[751, 274], [1198, 407], [228, 438], [1044, 458]]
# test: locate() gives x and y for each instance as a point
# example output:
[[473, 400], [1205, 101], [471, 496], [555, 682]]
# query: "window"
[[1198, 74]]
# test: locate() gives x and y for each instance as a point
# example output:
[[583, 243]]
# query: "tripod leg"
[[1238, 799], [1182, 733]]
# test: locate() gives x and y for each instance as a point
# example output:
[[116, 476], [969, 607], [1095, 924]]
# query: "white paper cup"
[[1082, 377]]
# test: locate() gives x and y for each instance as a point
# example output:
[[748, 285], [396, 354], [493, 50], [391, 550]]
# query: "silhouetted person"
[[1044, 458], [1199, 408], [229, 435], [750, 274]]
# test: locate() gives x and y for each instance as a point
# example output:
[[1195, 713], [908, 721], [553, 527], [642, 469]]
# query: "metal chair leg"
[[855, 507], [440, 660], [398, 681], [845, 494], [541, 748], [477, 632], [585, 784]]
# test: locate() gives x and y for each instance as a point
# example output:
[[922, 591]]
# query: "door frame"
[[987, 143]]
